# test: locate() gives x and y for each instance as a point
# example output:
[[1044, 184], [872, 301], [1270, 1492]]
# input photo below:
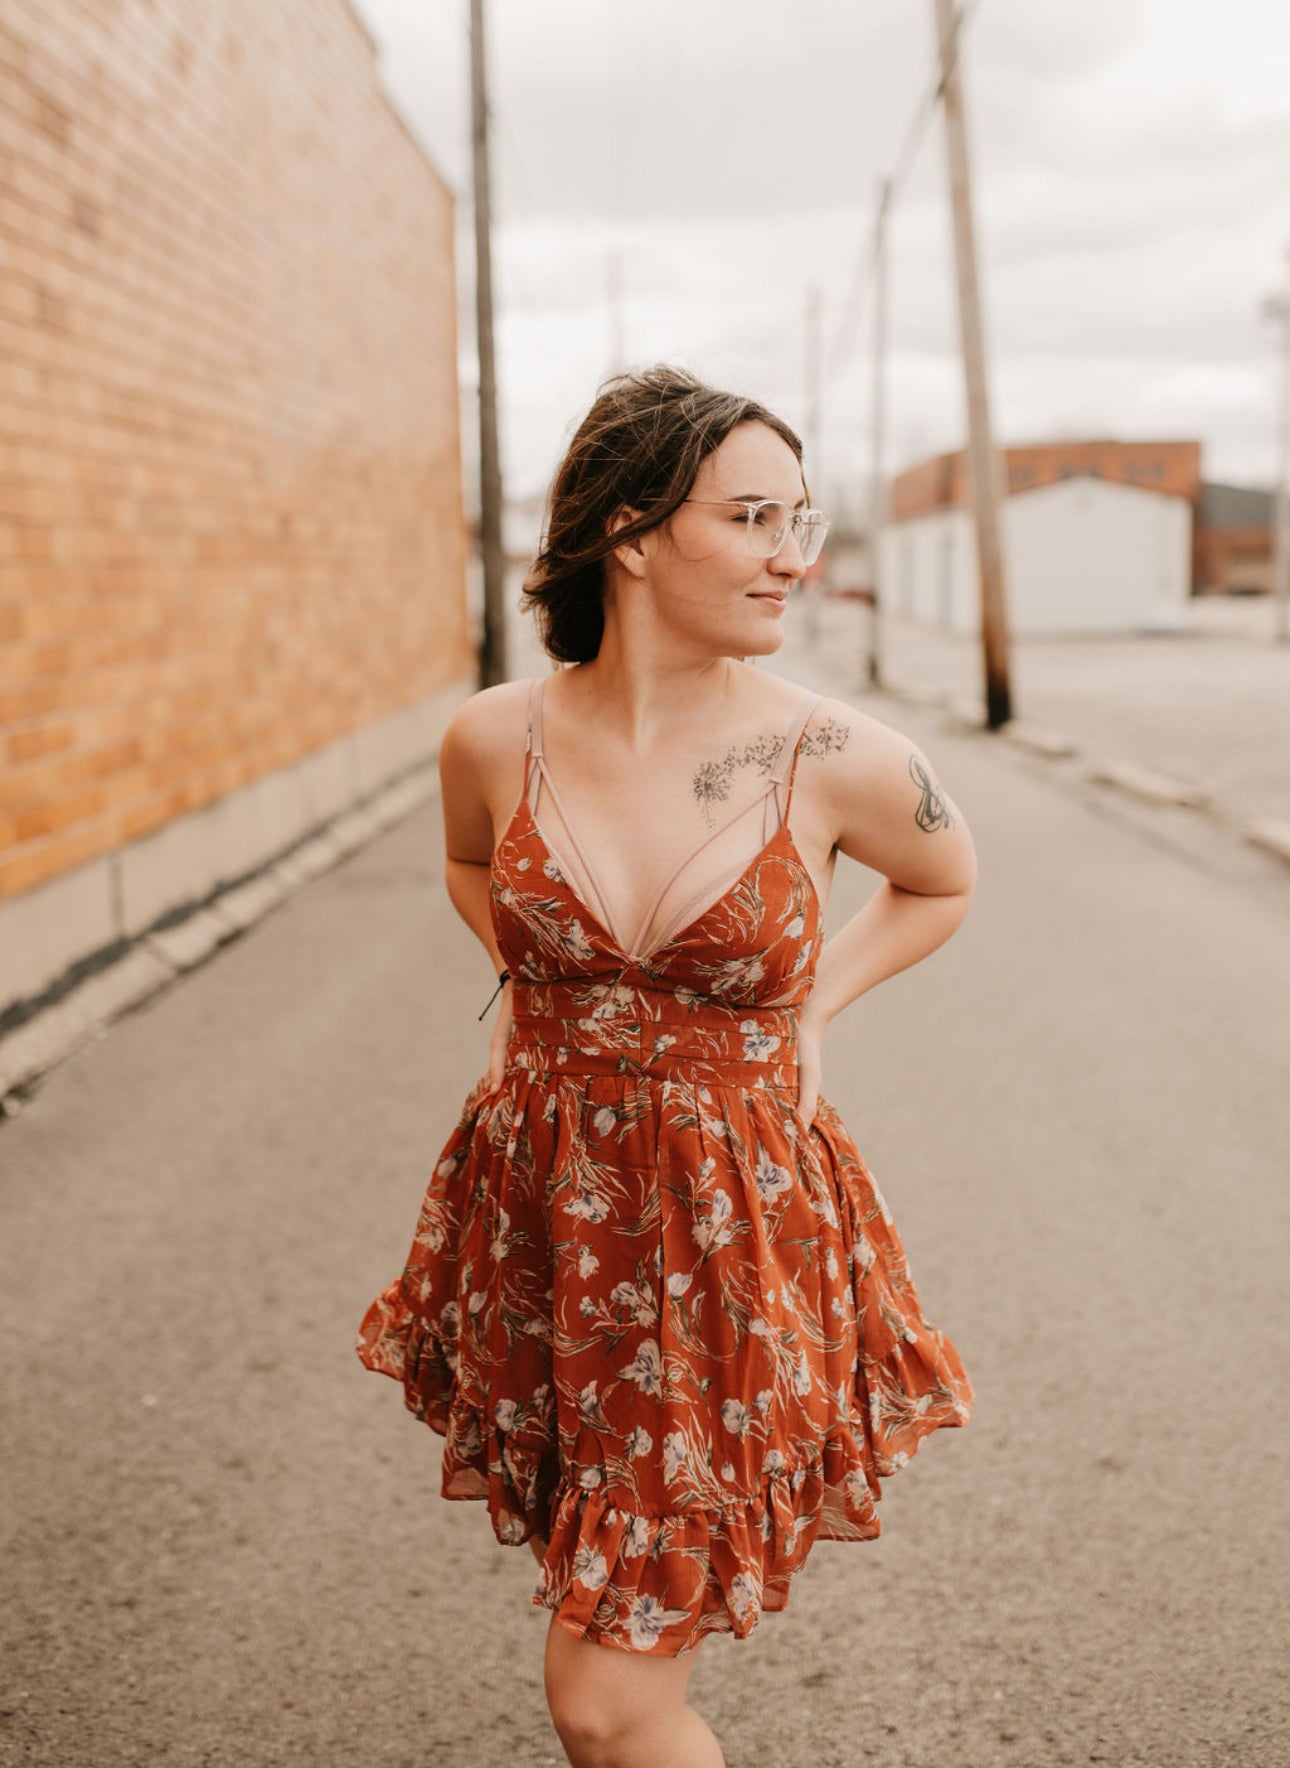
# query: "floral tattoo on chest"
[[714, 780]]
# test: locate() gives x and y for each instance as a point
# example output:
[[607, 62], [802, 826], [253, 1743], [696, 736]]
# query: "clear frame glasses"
[[769, 522]]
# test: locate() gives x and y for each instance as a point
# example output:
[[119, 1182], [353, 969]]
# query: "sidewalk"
[[1207, 709]]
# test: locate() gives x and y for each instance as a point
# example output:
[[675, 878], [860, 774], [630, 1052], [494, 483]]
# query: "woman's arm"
[[881, 800], [477, 766]]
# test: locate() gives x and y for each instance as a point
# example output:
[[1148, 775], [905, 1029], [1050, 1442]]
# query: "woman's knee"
[[600, 1696]]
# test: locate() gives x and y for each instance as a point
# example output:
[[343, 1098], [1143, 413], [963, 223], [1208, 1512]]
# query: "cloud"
[[1130, 186]]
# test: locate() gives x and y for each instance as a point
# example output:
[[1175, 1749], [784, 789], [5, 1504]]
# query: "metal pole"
[[492, 654], [1278, 307], [813, 376], [983, 458], [877, 476]]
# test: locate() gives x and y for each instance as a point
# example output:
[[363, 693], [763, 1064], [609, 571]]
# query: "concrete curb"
[[1271, 835], [1149, 786], [161, 954], [1039, 739]]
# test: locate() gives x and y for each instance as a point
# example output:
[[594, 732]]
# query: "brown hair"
[[639, 447]]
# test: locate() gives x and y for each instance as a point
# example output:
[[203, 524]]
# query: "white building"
[[1091, 550]]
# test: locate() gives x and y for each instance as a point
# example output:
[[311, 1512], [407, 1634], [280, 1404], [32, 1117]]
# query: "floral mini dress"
[[659, 1320]]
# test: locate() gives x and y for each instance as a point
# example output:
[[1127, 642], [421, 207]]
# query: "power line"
[[867, 263]]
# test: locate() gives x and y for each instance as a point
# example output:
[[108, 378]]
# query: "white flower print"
[[745, 1592], [675, 1455], [648, 1619], [857, 1488], [716, 1231], [589, 1478], [727, 1470], [587, 1307], [735, 1416], [801, 1375], [773, 1461], [604, 1120], [831, 1262], [590, 1568], [504, 1414], [590, 1205], [500, 1244], [736, 973], [638, 1299], [647, 1368], [758, 1327], [638, 1441], [575, 940], [759, 1045], [678, 1282], [772, 1180], [635, 1537], [477, 1299], [589, 1404], [552, 871], [762, 1402], [587, 1261]]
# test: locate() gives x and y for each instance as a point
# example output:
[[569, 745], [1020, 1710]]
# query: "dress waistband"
[[659, 1034]]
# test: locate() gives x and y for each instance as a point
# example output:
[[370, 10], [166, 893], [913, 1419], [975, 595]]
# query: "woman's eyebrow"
[[759, 497]]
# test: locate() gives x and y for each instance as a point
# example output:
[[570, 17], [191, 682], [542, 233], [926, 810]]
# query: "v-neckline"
[[648, 956]]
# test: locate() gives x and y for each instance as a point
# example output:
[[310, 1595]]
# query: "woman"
[[655, 1302]]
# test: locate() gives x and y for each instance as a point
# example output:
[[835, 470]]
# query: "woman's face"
[[704, 581]]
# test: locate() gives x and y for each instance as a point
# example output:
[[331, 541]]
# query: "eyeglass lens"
[[768, 526]]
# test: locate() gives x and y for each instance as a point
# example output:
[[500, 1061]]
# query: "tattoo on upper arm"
[[933, 809], [712, 781]]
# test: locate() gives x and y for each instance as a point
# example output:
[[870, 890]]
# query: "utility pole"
[[983, 458], [813, 391], [1278, 307], [877, 477], [492, 653]]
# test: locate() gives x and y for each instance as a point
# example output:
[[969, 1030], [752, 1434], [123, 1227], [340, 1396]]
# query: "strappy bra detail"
[[537, 772]]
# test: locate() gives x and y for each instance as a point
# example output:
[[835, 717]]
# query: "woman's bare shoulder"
[[887, 807], [488, 729]]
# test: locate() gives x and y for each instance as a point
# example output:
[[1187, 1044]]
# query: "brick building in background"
[[231, 536]]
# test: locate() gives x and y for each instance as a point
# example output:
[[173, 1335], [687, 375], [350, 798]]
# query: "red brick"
[[229, 481]]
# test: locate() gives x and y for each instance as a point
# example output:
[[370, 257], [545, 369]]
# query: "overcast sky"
[[1131, 168]]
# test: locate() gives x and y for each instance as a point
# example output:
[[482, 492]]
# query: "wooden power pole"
[[878, 482], [983, 458], [492, 654], [1278, 307]]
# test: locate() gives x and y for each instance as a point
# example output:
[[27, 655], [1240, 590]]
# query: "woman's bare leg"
[[620, 1709]]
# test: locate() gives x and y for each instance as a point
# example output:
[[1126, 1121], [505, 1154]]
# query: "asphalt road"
[[223, 1540]]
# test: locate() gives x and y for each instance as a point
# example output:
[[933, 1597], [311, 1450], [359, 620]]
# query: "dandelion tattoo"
[[933, 810], [713, 781]]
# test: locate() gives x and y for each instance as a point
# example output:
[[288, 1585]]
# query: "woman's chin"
[[764, 639]]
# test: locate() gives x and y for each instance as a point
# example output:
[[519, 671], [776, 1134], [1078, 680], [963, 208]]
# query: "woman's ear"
[[631, 554]]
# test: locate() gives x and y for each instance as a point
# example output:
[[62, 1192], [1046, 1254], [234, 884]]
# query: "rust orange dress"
[[658, 1319]]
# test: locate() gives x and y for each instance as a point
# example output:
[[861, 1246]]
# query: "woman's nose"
[[788, 562]]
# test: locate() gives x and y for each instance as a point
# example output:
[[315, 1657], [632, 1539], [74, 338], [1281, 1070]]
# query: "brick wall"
[[230, 502]]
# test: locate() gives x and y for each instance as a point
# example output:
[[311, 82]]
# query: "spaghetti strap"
[[786, 762], [534, 743], [785, 765]]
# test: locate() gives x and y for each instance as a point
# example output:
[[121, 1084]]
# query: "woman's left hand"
[[810, 1047]]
